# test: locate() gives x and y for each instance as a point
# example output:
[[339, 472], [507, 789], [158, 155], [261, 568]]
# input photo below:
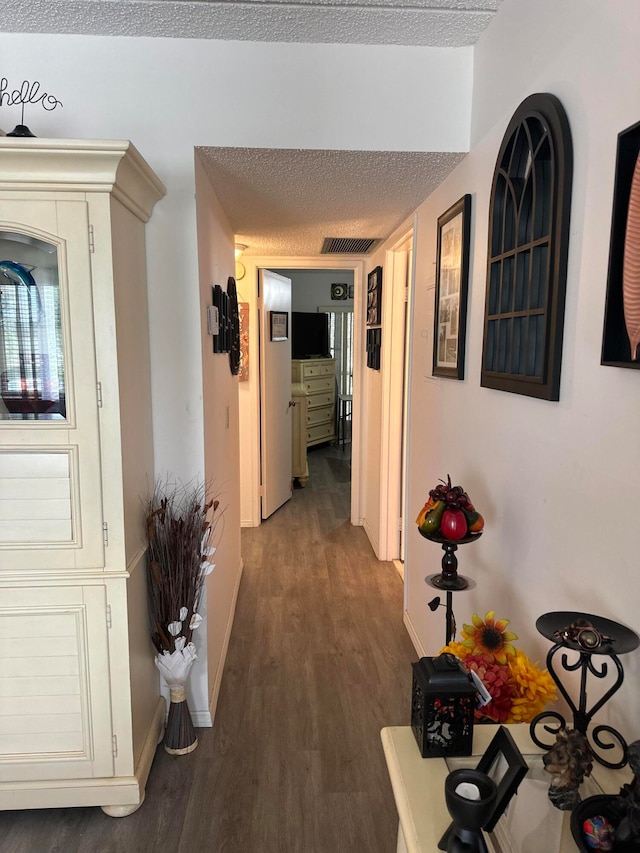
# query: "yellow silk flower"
[[533, 688], [489, 637]]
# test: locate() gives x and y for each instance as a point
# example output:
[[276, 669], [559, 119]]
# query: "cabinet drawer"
[[322, 432], [315, 401], [320, 416], [318, 384]]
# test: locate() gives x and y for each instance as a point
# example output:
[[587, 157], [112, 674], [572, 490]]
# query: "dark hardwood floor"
[[318, 662]]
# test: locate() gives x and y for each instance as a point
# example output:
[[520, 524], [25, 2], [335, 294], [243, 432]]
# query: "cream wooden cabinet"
[[318, 378], [314, 392], [80, 706]]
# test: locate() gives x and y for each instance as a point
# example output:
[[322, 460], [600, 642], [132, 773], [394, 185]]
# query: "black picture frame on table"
[[374, 297], [503, 762], [622, 306], [452, 285], [278, 325]]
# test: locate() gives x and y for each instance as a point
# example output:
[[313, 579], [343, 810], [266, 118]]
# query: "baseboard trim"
[[215, 690], [413, 636], [373, 539], [201, 719]]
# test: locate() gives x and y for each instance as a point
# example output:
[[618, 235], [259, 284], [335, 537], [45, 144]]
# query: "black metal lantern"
[[443, 700]]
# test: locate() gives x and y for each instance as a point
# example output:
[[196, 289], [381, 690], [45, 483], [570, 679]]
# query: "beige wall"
[[555, 481], [221, 430]]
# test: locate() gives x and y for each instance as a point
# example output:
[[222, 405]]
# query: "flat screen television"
[[309, 335]]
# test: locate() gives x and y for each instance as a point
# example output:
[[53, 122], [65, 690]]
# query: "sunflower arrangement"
[[519, 689]]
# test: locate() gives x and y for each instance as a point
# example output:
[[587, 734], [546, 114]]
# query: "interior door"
[[275, 390]]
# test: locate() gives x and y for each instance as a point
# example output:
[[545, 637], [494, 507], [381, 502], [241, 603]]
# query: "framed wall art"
[[374, 297], [374, 344], [621, 334], [452, 278], [243, 312], [278, 325]]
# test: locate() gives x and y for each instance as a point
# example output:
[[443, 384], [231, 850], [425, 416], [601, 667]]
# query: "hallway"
[[318, 662]]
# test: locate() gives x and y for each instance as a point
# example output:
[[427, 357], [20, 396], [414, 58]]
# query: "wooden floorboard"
[[318, 662]]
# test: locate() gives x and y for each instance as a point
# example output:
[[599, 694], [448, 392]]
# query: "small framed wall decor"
[[452, 277], [339, 290], [374, 297], [621, 335], [374, 344], [278, 325]]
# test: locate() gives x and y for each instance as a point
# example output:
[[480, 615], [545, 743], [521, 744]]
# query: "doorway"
[[249, 391], [322, 353]]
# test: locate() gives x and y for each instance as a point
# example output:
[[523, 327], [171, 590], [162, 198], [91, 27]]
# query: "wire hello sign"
[[28, 93]]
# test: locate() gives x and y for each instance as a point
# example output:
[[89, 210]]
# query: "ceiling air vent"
[[347, 245]]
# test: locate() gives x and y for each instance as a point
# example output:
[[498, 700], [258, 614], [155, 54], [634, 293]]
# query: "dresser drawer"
[[322, 432], [320, 416], [319, 368], [321, 383], [315, 401]]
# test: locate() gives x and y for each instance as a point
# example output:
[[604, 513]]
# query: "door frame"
[[250, 435], [398, 311]]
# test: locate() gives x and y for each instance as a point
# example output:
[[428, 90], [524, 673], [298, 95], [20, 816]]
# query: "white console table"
[[530, 824]]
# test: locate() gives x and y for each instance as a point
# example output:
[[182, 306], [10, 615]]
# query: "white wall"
[[171, 95], [312, 288], [555, 481], [221, 446]]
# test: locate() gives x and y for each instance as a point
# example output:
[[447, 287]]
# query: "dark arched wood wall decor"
[[528, 245], [234, 327]]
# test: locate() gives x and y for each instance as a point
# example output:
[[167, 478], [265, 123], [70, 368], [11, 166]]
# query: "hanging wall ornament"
[[234, 327]]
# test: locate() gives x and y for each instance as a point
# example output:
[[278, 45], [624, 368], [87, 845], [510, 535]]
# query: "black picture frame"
[[278, 325], [503, 762], [374, 345], [374, 297], [452, 285], [218, 303], [616, 341]]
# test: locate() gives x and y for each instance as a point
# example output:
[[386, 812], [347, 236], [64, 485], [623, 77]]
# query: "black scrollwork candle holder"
[[598, 642]]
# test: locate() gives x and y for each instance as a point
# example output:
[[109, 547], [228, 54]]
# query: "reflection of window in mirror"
[[32, 375]]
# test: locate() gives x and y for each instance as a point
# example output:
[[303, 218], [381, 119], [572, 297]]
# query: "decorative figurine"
[[569, 761]]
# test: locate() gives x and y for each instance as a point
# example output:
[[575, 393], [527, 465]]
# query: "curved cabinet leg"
[[122, 811]]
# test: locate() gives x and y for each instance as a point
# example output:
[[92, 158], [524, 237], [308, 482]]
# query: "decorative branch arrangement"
[[180, 524]]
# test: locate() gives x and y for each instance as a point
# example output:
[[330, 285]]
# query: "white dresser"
[[80, 710], [314, 392]]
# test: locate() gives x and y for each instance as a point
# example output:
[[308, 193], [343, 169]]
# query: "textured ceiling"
[[445, 23], [285, 202], [282, 202]]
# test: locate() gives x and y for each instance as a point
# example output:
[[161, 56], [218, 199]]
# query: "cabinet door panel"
[[54, 691], [50, 483]]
